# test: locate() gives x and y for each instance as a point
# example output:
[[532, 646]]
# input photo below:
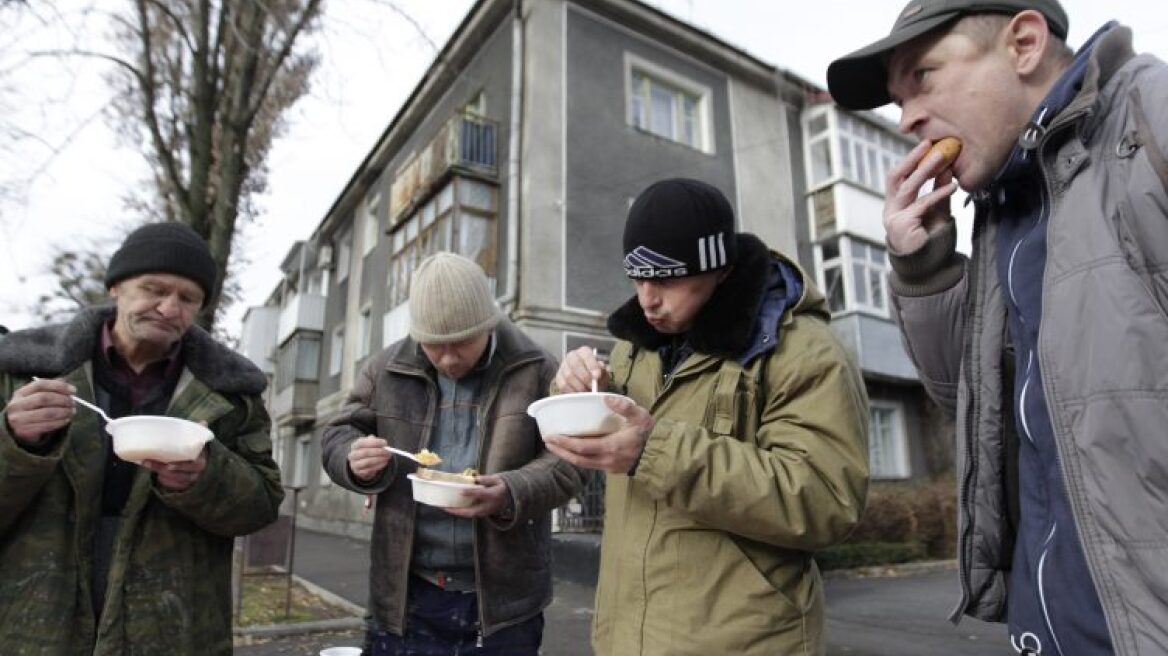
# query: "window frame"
[[901, 465], [846, 261], [681, 87], [371, 223], [336, 350]]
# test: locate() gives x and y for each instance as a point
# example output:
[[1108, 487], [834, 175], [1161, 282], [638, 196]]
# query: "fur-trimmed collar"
[[55, 350], [725, 325]]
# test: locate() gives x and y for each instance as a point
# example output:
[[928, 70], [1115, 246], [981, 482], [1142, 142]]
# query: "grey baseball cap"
[[860, 80]]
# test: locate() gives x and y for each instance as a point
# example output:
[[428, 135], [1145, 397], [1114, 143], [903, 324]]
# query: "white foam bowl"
[[153, 437], [443, 494], [341, 651], [582, 414]]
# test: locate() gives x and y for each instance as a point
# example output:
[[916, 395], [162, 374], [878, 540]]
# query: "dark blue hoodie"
[[1053, 604]]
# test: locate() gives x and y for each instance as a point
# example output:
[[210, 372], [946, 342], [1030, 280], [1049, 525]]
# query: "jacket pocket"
[[1143, 242]]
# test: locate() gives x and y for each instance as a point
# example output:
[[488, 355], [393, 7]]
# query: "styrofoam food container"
[[154, 437], [341, 651], [443, 494], [582, 414]]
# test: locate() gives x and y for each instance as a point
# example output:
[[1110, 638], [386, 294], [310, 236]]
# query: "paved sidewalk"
[[903, 614]]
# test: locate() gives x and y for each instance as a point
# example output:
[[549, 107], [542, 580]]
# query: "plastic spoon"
[[594, 375], [87, 404], [405, 454]]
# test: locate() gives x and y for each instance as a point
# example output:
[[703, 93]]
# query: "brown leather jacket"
[[396, 395]]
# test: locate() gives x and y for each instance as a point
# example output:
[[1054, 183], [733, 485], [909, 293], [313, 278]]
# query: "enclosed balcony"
[[467, 143]]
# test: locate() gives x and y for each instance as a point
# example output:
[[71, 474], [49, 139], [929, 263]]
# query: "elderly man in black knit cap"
[[105, 556], [744, 445]]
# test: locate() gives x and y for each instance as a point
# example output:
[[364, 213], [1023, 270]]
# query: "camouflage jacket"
[[169, 581]]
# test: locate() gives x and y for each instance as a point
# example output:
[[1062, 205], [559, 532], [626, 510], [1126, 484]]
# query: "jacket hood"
[[55, 350], [763, 290]]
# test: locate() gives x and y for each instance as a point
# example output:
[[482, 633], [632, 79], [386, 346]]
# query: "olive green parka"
[[758, 458], [169, 589]]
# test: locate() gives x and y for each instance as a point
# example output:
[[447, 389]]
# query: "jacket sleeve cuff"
[[932, 268]]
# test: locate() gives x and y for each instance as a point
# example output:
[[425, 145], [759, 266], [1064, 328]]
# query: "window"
[[303, 462], [854, 275], [372, 223], [344, 255], [854, 150], [887, 451], [668, 105], [364, 332], [867, 152], [298, 359], [336, 350], [459, 218]]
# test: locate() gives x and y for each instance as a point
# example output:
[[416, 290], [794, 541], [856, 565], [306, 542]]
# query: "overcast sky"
[[372, 59]]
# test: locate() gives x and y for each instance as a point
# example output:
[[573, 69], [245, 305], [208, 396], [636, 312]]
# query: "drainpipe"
[[513, 145]]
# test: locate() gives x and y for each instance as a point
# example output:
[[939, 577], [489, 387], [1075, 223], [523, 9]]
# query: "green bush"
[[866, 554], [902, 522]]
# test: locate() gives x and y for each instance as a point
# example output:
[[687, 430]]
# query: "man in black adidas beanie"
[[158, 523], [678, 228], [743, 446]]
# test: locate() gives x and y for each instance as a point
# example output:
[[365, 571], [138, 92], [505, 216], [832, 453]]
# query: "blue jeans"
[[442, 623]]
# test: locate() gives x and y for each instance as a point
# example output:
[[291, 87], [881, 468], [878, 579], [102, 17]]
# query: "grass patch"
[[265, 597]]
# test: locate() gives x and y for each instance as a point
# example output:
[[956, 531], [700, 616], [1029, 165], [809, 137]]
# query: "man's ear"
[[1027, 36]]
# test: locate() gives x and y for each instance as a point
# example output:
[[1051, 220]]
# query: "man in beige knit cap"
[[446, 579]]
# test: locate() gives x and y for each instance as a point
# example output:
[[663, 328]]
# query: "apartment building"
[[522, 148]]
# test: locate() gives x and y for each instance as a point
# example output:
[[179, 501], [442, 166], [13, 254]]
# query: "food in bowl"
[[154, 437], [442, 489], [428, 457], [583, 414], [466, 476]]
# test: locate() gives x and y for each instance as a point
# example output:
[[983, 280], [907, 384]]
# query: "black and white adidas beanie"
[[679, 227]]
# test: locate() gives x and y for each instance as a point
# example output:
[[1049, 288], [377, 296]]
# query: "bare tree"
[[202, 85]]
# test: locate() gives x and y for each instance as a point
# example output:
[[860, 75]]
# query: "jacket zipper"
[[1074, 491], [433, 389], [965, 546]]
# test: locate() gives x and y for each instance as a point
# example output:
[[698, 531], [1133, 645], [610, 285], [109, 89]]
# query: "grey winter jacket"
[[396, 398], [1102, 346]]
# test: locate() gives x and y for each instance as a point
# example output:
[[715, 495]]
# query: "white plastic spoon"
[[85, 403]]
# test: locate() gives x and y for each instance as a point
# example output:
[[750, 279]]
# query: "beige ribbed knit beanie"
[[450, 300]]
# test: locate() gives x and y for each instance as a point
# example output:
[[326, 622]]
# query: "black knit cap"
[[163, 248], [679, 227]]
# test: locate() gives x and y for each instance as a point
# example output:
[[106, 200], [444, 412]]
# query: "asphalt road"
[[889, 615]]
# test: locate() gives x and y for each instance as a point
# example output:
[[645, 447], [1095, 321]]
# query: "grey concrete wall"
[[767, 197], [542, 151], [609, 162]]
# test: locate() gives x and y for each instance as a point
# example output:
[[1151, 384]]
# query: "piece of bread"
[[948, 147]]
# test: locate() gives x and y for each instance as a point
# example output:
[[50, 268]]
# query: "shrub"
[[865, 554], [920, 514]]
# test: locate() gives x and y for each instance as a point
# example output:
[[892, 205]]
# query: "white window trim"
[[336, 350], [370, 223], [900, 440], [344, 255], [365, 331], [846, 261], [303, 456], [702, 92]]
